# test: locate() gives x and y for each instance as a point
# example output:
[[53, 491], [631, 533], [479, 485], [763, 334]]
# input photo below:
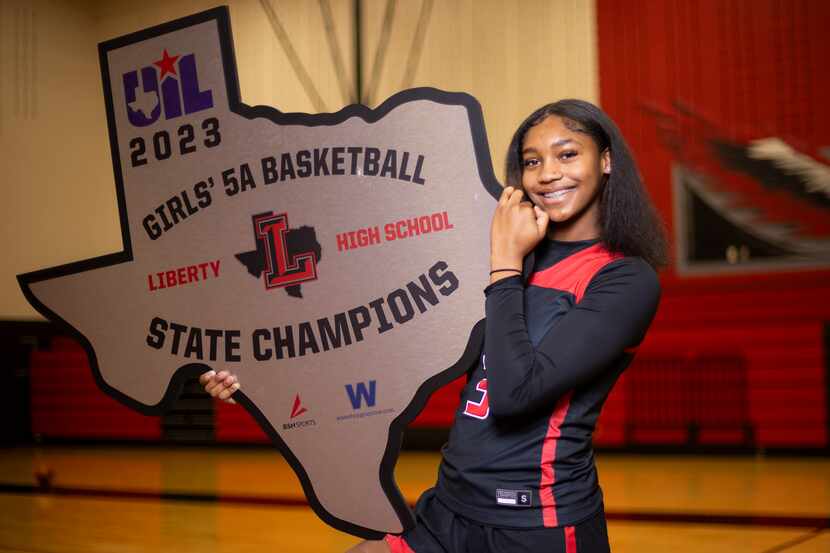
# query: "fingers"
[[511, 196], [505, 195], [515, 197], [542, 220], [220, 385], [216, 383], [227, 392], [515, 228]]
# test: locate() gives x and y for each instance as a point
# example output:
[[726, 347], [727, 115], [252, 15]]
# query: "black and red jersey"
[[519, 453]]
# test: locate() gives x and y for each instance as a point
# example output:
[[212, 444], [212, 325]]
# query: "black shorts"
[[439, 530]]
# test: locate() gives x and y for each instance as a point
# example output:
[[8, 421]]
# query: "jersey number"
[[479, 409]]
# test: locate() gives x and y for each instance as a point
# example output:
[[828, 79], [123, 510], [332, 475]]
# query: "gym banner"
[[334, 262]]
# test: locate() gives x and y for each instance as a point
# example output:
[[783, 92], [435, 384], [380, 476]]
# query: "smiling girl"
[[572, 292]]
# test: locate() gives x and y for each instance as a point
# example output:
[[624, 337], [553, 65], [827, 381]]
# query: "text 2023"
[[186, 141]]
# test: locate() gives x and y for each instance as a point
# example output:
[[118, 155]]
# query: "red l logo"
[[282, 269]]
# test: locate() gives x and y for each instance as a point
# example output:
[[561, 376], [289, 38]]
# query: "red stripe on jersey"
[[398, 545], [573, 273], [549, 517], [570, 539]]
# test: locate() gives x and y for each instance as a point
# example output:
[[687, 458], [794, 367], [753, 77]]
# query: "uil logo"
[[178, 92]]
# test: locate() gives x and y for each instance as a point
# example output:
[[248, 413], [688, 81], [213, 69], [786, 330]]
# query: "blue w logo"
[[358, 393]]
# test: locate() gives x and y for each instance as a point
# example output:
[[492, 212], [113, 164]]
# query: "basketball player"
[[518, 472]]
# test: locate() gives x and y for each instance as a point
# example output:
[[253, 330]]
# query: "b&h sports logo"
[[176, 90], [284, 257], [296, 410]]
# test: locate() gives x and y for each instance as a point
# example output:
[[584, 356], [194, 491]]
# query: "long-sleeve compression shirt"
[[520, 453]]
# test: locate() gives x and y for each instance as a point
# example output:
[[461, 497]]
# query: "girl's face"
[[562, 172]]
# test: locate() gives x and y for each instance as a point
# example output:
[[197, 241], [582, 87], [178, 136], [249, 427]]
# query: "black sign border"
[[468, 359]]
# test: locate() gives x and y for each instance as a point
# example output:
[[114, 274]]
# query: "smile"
[[558, 194]]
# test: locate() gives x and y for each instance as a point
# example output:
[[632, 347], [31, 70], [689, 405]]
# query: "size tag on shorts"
[[514, 498]]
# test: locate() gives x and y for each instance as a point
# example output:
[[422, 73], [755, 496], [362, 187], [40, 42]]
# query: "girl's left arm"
[[612, 316]]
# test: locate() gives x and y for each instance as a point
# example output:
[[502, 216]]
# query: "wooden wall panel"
[[58, 202], [512, 56]]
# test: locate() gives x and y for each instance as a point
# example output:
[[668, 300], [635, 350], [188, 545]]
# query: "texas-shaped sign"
[[335, 262]]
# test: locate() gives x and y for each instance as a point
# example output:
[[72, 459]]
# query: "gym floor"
[[85, 499]]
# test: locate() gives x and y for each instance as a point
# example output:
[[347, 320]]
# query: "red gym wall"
[[751, 69], [733, 360]]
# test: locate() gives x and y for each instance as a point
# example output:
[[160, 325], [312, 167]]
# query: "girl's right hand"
[[516, 229], [221, 385]]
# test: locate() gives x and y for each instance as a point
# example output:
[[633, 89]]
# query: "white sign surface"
[[334, 262]]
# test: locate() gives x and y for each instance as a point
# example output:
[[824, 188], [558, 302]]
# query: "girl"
[[572, 292]]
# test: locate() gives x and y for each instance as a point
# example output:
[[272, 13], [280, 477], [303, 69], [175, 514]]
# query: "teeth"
[[558, 194]]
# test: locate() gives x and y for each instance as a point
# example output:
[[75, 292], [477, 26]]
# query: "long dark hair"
[[629, 223]]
